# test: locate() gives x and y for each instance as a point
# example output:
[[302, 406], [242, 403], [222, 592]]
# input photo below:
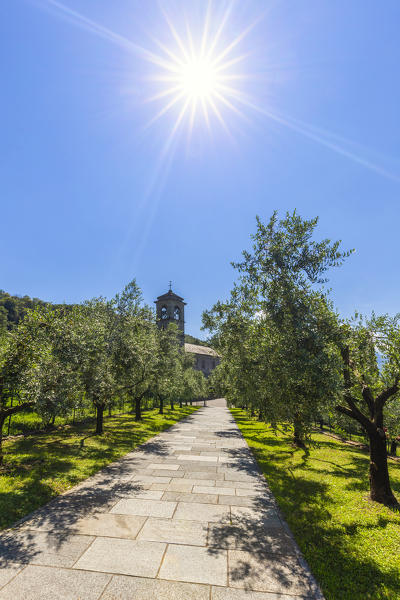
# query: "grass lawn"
[[31, 422], [39, 467], [351, 544]]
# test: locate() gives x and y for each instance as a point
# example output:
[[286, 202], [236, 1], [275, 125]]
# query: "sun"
[[198, 79], [199, 76]]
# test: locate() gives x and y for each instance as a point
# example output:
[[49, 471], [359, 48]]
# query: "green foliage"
[[277, 333], [351, 545]]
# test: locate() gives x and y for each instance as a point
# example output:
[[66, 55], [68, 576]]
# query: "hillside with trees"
[[14, 308]]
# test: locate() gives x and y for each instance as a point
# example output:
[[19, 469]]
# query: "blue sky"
[[94, 194]]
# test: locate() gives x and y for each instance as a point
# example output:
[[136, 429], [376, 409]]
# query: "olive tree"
[[371, 380], [21, 353], [283, 277], [168, 365], [95, 322], [135, 346]]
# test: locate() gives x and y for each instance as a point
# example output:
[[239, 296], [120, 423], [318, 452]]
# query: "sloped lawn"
[[39, 467], [351, 544]]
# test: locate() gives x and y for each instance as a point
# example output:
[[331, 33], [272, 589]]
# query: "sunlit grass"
[[39, 467], [351, 544]]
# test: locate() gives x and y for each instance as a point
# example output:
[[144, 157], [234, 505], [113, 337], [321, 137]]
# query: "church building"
[[170, 308]]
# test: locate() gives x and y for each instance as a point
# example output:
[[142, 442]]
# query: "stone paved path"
[[187, 516]]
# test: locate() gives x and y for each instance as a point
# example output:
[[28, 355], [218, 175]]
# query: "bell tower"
[[170, 308]]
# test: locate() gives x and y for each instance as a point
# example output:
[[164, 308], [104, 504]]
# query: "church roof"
[[170, 295], [195, 349]]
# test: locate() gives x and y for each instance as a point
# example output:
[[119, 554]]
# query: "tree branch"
[[369, 399], [355, 411], [384, 396], [346, 411], [17, 408]]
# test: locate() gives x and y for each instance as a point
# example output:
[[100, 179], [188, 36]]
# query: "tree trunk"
[[99, 418], [138, 410], [380, 490], [298, 432], [180, 403], [393, 448], [161, 411], [2, 419], [172, 404], [9, 418]]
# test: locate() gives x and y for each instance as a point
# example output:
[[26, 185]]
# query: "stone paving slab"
[[110, 525], [146, 508], [203, 489], [174, 531], [201, 512], [219, 593], [127, 557], [189, 497], [186, 516], [44, 583], [194, 564], [9, 572], [267, 573], [43, 548], [137, 588]]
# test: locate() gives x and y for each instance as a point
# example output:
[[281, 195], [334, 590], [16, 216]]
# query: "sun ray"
[[229, 64], [307, 131], [217, 36], [205, 29], [189, 36], [166, 108], [206, 115], [176, 60], [177, 38], [91, 26], [230, 105], [164, 93], [219, 116], [175, 127], [192, 116], [228, 49]]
